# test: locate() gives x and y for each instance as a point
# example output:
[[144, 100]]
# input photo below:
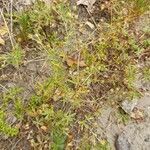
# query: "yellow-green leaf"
[[3, 30], [2, 42]]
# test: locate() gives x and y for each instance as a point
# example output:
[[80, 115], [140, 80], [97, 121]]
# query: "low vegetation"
[[83, 74]]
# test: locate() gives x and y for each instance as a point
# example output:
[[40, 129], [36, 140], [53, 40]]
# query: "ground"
[[74, 77]]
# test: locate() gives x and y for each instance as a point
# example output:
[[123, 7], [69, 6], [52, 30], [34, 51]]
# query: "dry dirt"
[[108, 126]]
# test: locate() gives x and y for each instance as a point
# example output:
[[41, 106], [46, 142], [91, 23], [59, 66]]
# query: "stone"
[[144, 104], [134, 137], [128, 106], [88, 3], [28, 2], [107, 125]]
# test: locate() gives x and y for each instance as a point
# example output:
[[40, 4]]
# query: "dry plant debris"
[[61, 65]]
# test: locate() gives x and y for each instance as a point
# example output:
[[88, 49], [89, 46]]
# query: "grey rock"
[[142, 84], [104, 117], [107, 125], [134, 137], [88, 3], [143, 22], [27, 2], [11, 119], [122, 143], [144, 104], [128, 106], [10, 85]]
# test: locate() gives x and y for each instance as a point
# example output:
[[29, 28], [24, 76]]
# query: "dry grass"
[[70, 77]]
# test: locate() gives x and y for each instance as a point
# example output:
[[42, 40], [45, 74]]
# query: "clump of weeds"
[[8, 98], [64, 105]]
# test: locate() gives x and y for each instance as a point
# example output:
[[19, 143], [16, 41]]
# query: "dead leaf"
[[71, 62], [26, 127], [18, 125], [27, 2], [3, 30], [44, 128], [103, 142], [137, 114], [102, 7], [91, 25], [57, 95], [32, 113], [88, 3], [82, 63], [48, 2], [2, 42]]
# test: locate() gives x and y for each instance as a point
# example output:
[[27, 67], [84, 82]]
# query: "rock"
[[104, 118], [140, 83], [88, 3], [48, 2], [144, 104], [128, 106], [134, 137], [138, 109], [107, 125], [27, 2], [122, 143], [10, 85], [11, 119], [143, 22]]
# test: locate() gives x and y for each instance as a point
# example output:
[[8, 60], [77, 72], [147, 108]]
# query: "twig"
[[3, 87], [14, 145], [91, 17], [11, 19], [7, 28], [78, 69]]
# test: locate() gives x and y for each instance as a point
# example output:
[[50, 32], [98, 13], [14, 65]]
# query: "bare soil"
[[35, 68]]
